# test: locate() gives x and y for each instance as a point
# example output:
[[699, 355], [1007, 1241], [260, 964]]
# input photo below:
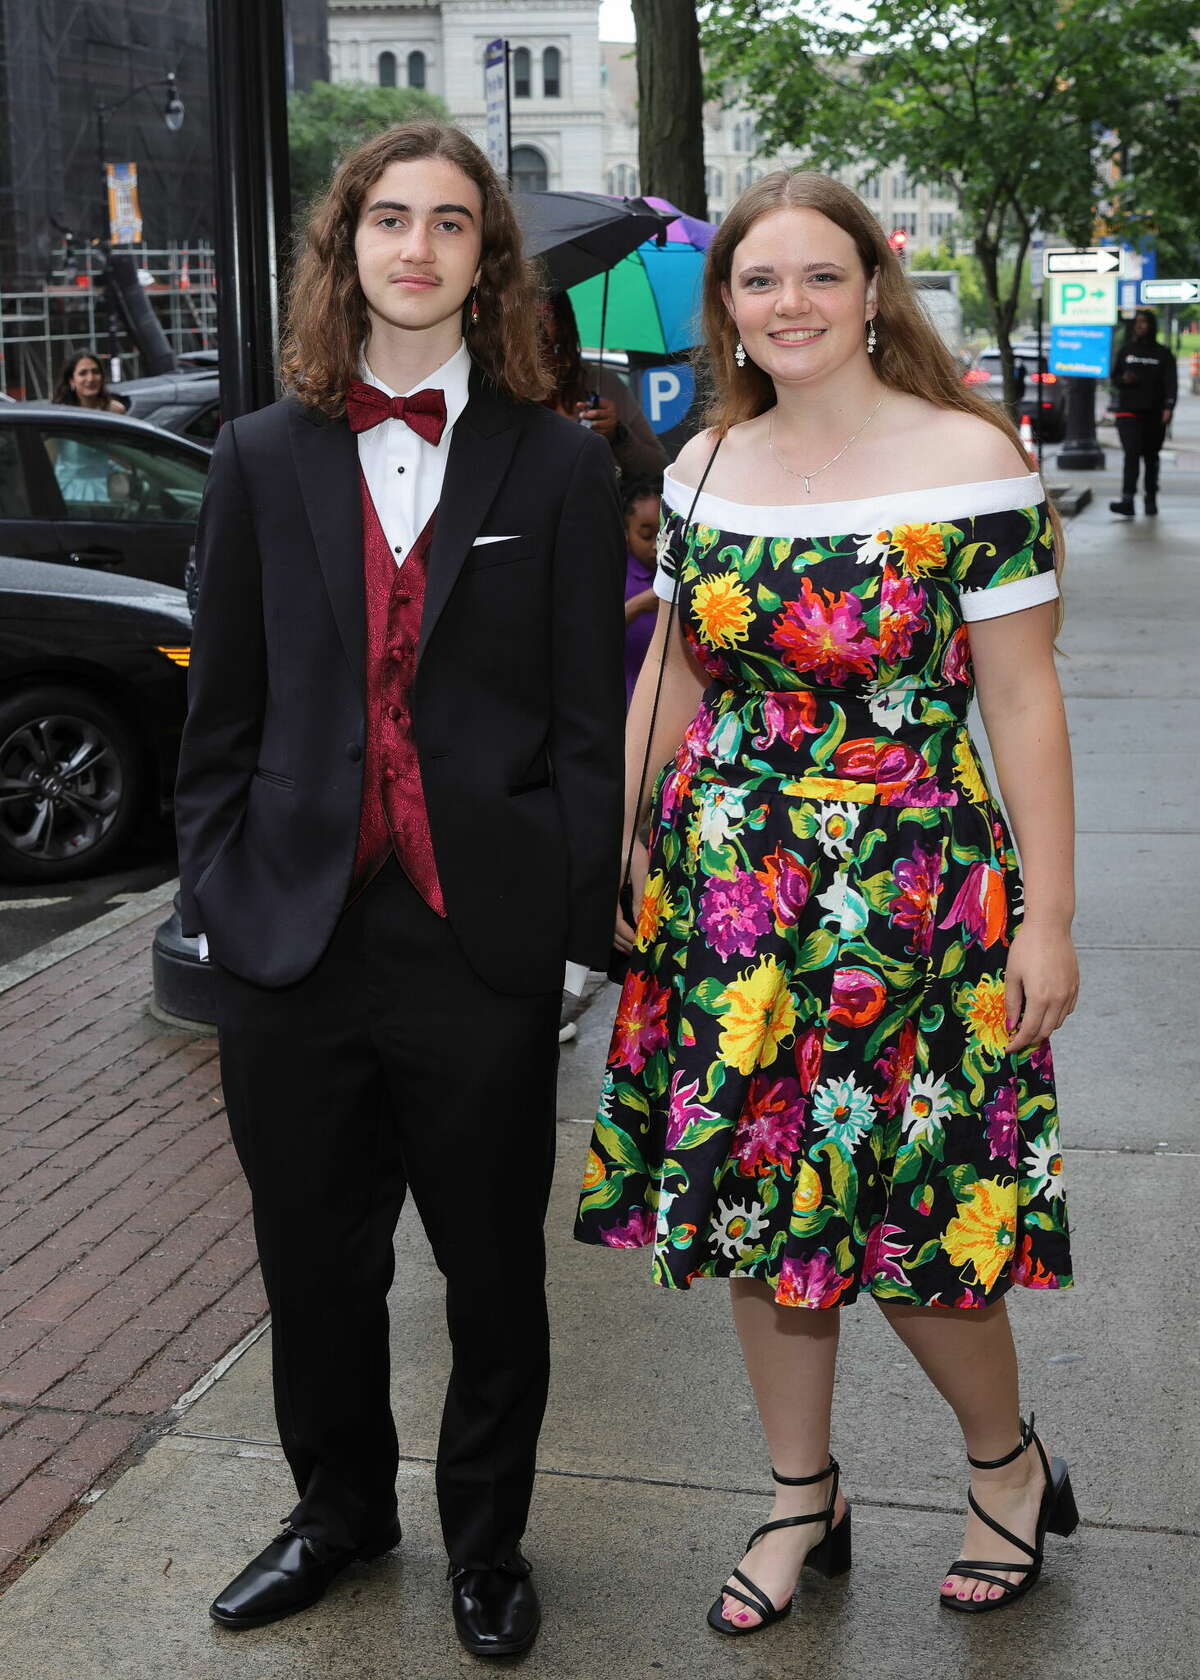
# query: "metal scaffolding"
[[40, 329]]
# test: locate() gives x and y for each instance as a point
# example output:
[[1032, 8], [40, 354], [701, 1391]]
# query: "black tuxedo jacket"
[[517, 704]]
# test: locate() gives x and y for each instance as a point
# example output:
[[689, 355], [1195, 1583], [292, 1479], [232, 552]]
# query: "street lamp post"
[[173, 112], [247, 50]]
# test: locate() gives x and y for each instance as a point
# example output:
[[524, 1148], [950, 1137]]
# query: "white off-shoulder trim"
[[945, 503], [1008, 597]]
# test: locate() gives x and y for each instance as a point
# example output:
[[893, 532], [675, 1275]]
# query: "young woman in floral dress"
[[830, 1070]]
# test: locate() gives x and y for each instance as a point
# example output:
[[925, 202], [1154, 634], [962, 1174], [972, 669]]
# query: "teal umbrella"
[[650, 300]]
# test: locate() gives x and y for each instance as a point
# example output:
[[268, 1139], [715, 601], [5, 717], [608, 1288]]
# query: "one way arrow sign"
[[1091, 259]]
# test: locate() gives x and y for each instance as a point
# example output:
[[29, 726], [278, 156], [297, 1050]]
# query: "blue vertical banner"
[[1081, 352]]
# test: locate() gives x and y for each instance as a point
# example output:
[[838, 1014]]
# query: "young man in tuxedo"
[[398, 808]]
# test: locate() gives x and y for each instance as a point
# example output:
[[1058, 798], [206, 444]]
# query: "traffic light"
[[898, 239]]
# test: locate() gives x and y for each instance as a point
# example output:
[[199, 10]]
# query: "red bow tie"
[[424, 411]]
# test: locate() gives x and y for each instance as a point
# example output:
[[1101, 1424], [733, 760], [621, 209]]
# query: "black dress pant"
[[1141, 438], [392, 1066]]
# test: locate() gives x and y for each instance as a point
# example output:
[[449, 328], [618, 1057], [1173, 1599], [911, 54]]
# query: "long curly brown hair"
[[909, 354], [326, 321]]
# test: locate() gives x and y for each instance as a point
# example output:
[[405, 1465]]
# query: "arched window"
[[623, 180], [714, 182], [552, 73], [529, 172], [416, 69], [521, 73], [387, 69]]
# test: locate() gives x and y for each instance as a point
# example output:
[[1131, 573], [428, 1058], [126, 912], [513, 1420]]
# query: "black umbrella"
[[581, 234]]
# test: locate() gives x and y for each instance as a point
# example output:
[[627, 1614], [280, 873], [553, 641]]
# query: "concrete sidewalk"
[[652, 1468]]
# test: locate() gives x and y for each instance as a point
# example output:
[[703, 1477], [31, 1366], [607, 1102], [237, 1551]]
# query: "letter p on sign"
[[667, 394]]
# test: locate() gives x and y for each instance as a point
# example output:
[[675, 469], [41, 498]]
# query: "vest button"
[[354, 752], [389, 775], [394, 712]]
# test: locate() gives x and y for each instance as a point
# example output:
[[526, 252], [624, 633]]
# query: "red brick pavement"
[[127, 1261]]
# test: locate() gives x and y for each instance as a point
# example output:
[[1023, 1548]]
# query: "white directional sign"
[[1169, 291], [1088, 259], [1087, 300]]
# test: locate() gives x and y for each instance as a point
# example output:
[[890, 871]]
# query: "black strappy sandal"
[[830, 1556], [1057, 1514]]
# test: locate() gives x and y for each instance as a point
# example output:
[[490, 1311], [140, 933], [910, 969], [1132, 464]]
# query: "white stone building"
[[574, 100], [557, 78]]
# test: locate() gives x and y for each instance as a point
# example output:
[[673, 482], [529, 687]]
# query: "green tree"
[[972, 298], [326, 121], [1008, 106]]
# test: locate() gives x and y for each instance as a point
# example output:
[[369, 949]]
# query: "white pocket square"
[[479, 541]]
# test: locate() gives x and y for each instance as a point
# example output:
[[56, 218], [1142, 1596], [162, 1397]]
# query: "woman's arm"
[[1023, 713], [682, 687]]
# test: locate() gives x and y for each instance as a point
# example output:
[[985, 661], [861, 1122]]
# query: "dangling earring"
[[871, 337], [739, 353], [474, 306]]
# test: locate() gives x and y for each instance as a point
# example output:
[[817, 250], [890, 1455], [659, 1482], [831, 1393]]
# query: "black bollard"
[[1081, 447]]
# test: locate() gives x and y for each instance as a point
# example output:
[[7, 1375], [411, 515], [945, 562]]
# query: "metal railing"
[[40, 329]]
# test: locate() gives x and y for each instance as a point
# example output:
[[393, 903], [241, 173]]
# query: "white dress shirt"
[[404, 474]]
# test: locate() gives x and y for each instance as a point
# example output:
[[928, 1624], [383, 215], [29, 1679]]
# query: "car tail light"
[[1044, 378], [976, 376], [1047, 405], [177, 655]]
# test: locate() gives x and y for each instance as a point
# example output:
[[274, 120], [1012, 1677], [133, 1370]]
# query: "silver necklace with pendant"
[[807, 478]]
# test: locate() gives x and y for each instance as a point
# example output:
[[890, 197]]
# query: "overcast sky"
[[616, 20]]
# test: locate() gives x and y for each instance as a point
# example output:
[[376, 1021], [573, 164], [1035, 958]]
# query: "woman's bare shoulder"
[[972, 450], [692, 459]]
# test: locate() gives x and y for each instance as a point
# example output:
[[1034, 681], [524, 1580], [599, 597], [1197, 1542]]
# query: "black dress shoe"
[[496, 1611], [289, 1575], [1124, 507], [1151, 506]]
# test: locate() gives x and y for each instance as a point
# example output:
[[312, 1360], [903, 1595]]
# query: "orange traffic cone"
[[1027, 443]]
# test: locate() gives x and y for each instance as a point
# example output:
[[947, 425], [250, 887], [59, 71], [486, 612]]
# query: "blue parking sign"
[[667, 394], [1081, 352]]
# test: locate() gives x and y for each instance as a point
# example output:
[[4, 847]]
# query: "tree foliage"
[[1008, 105], [328, 120], [972, 298]]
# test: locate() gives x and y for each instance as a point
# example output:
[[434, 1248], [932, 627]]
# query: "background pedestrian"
[[1144, 389]]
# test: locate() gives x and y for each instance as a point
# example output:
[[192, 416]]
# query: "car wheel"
[[71, 784]]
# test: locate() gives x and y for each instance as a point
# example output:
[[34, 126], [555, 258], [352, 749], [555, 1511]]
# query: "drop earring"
[[739, 353], [871, 337], [474, 306]]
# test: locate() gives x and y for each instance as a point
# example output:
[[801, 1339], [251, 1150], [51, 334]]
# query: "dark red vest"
[[393, 817]]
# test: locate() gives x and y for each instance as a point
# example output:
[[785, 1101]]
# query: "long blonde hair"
[[909, 354], [326, 321]]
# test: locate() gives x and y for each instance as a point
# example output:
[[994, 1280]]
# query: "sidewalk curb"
[[68, 944]]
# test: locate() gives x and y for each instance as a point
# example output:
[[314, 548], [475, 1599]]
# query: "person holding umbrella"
[[597, 396]]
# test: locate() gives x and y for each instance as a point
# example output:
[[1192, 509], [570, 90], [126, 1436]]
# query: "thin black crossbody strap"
[[662, 667]]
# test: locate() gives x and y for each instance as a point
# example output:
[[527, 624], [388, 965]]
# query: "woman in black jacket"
[[1143, 397]]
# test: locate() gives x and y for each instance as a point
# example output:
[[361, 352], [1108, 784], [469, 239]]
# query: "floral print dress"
[[808, 1081]]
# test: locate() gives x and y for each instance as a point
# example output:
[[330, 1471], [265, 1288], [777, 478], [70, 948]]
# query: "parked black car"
[[102, 491], [187, 402], [1040, 396], [93, 693]]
